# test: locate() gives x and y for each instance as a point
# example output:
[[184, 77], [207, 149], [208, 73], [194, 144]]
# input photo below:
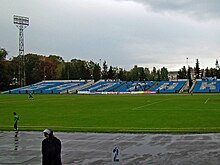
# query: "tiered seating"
[[74, 86], [35, 88], [132, 86], [64, 87], [102, 86], [168, 86], [47, 87], [207, 86]]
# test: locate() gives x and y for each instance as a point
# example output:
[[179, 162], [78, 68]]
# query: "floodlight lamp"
[[19, 20]]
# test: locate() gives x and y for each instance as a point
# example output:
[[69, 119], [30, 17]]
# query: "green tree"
[[164, 74], [65, 73], [197, 69], [141, 74], [97, 72], [79, 69], [3, 54], [207, 72], [212, 72], [216, 64], [217, 69], [158, 77], [121, 74], [34, 68], [105, 71], [134, 73], [218, 73], [147, 74], [154, 74], [58, 64], [182, 73], [6, 71], [111, 73]]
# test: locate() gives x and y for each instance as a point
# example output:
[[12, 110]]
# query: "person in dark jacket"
[[51, 149]]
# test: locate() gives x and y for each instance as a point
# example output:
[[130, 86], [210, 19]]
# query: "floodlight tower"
[[21, 23]]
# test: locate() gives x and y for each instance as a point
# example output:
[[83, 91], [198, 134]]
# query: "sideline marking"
[[149, 104], [206, 100]]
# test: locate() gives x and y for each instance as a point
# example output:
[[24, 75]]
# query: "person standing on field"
[[51, 149], [30, 95], [16, 118]]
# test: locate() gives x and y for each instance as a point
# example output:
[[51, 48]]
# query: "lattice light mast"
[[21, 23]]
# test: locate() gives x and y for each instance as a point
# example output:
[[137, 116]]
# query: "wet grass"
[[113, 113]]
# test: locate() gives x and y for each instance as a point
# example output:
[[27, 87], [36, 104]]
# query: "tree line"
[[32, 68]]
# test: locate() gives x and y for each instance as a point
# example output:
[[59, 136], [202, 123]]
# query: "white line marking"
[[146, 105], [206, 100]]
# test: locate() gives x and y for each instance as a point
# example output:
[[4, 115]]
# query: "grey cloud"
[[122, 32], [198, 9]]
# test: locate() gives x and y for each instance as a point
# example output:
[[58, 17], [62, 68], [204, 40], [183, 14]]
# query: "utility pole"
[[187, 76], [21, 23]]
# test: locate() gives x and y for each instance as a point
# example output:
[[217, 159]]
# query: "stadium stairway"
[[153, 86], [92, 85], [168, 86], [185, 88], [115, 89], [77, 88], [193, 86]]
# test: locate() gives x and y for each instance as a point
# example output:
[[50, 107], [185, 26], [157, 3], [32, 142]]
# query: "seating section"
[[168, 86], [74, 86], [132, 86], [103, 86], [48, 87], [207, 86]]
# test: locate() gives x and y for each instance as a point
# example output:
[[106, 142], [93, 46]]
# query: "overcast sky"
[[123, 32]]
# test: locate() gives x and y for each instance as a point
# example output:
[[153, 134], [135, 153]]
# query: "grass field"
[[113, 113]]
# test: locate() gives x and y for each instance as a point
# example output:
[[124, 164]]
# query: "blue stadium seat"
[[168, 86], [102, 86], [207, 86], [132, 86]]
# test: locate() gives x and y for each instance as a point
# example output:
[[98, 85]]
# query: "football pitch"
[[113, 113]]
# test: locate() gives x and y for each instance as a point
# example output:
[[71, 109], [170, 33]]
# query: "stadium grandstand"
[[208, 85]]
